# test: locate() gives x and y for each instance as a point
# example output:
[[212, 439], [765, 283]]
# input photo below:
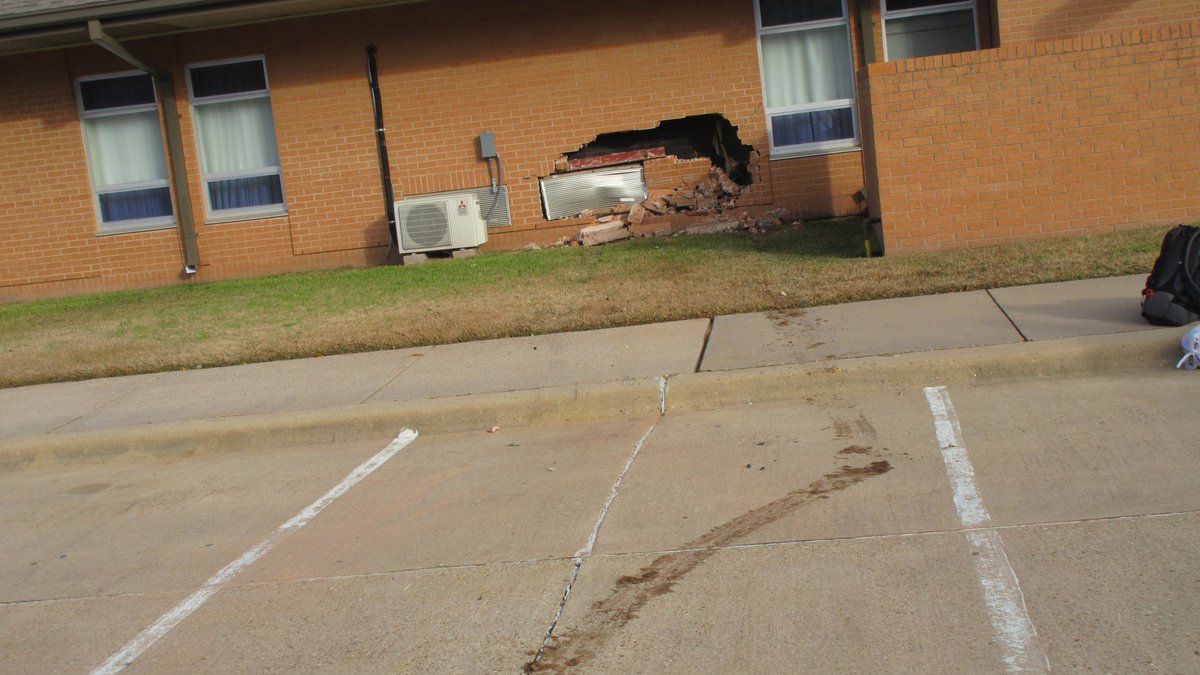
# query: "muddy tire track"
[[844, 429], [630, 594]]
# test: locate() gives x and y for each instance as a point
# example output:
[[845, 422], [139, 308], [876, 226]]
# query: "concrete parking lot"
[[1027, 523]]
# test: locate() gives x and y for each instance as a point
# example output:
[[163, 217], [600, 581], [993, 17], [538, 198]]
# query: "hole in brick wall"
[[708, 136]]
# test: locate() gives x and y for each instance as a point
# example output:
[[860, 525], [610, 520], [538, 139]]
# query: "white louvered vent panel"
[[570, 194], [500, 216]]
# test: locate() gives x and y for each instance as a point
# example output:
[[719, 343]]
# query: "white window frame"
[[819, 147], [132, 225], [251, 212], [923, 11]]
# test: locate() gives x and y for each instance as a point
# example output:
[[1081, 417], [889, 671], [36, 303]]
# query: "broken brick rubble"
[[603, 233], [717, 192]]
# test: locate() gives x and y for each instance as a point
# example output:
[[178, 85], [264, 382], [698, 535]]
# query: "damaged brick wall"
[[670, 173], [1032, 140], [531, 92], [545, 78]]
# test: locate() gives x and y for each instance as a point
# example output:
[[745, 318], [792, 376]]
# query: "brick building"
[[148, 142]]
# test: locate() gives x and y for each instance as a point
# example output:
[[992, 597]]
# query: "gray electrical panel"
[[487, 145]]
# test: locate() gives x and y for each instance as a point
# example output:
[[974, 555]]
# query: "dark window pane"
[[780, 12], [116, 92], [931, 34], [228, 78], [812, 127], [135, 205], [242, 193], [897, 5]]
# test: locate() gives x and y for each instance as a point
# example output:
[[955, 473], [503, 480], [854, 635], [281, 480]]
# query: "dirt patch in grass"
[[509, 294]]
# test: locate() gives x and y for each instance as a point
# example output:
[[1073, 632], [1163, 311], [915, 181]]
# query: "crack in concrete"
[[586, 551]]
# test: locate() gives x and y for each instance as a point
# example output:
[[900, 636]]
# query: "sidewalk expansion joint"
[[151, 378], [663, 387], [704, 345], [411, 362], [1006, 316]]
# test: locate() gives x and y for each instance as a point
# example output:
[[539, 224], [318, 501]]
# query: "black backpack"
[[1171, 296]]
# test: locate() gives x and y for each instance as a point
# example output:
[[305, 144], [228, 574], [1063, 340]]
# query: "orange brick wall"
[[44, 191], [545, 77], [820, 186], [1022, 20], [1039, 139]]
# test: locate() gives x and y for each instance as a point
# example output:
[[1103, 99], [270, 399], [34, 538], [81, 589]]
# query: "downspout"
[[867, 28], [385, 170], [166, 92]]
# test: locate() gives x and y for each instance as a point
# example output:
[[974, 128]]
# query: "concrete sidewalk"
[[1039, 330]]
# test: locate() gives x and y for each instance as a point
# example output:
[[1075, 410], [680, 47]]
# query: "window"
[[808, 75], [236, 133], [125, 153], [915, 28]]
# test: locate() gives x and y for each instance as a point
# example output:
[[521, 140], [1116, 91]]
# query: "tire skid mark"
[[844, 429], [632, 593], [865, 427]]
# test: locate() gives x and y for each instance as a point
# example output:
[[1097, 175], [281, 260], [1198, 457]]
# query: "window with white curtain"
[[808, 75], [913, 28], [125, 154], [235, 130]]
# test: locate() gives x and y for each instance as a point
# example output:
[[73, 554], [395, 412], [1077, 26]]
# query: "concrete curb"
[[367, 422], [1132, 352]]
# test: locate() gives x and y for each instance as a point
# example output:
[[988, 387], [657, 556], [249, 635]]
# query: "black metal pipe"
[[385, 170]]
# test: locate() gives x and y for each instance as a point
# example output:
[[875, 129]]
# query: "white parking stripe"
[[1001, 589], [958, 466], [144, 640]]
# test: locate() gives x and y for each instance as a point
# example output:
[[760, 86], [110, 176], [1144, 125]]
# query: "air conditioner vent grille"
[[425, 225], [570, 194]]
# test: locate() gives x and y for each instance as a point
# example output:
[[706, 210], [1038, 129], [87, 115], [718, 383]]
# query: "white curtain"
[[807, 66], [236, 136], [125, 148]]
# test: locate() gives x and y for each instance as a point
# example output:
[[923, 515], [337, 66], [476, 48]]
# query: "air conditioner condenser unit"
[[439, 223]]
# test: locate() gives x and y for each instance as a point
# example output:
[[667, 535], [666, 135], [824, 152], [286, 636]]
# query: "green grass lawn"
[[516, 293]]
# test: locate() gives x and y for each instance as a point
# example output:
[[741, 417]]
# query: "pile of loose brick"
[[716, 193], [715, 197]]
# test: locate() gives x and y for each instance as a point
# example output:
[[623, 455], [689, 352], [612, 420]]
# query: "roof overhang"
[[58, 29]]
